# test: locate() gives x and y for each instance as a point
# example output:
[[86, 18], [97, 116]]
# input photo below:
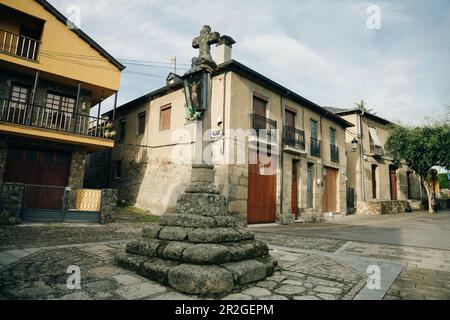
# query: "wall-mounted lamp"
[[354, 144]]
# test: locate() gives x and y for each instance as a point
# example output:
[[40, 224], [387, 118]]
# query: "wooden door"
[[374, 181], [294, 193], [310, 186], [261, 202], [393, 184], [329, 196], [46, 171]]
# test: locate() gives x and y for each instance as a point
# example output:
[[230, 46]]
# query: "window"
[[59, 102], [375, 144], [19, 94], [259, 111], [118, 169], [333, 136], [141, 122], [164, 120], [313, 129], [122, 129]]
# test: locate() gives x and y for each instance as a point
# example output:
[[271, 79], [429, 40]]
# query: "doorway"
[[262, 184], [329, 195], [294, 189]]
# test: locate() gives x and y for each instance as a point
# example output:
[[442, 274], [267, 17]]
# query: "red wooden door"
[[393, 183], [46, 171], [294, 194], [261, 202]]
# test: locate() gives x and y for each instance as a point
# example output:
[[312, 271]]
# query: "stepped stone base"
[[201, 249], [204, 280]]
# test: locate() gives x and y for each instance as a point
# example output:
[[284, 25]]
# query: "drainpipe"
[[282, 154], [223, 109], [361, 156]]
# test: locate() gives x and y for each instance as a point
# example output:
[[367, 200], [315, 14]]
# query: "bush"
[[443, 181]]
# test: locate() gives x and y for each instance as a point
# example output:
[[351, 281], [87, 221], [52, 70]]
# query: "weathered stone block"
[[187, 220], [129, 261], [226, 221], [245, 233], [174, 233], [151, 232], [285, 218], [206, 254], [157, 269], [144, 247], [202, 187], [247, 250], [246, 271], [201, 280], [204, 204], [174, 250], [202, 175], [214, 235]]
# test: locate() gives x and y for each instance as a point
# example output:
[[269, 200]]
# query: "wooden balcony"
[[46, 123], [20, 46]]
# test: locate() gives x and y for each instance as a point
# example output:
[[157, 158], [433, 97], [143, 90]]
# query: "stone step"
[[202, 204], [204, 253], [204, 280], [197, 221]]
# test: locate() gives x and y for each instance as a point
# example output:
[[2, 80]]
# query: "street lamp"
[[354, 144]]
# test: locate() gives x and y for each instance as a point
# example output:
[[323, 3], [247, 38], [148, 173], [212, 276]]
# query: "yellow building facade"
[[51, 75]]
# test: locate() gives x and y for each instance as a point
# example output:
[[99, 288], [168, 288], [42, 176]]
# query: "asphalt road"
[[418, 229]]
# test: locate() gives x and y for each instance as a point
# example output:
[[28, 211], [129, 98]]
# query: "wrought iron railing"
[[48, 118], [294, 137], [315, 147], [18, 45], [334, 153], [265, 128], [376, 150]]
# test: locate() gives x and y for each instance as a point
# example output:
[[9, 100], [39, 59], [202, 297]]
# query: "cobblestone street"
[[34, 260]]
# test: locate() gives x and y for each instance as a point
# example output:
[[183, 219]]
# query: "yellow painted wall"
[[57, 37]]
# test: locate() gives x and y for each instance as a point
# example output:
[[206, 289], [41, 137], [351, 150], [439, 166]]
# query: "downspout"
[[361, 156], [223, 109], [282, 154]]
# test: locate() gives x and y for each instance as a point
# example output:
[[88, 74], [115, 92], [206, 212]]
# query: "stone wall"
[[379, 207], [77, 167], [3, 153], [11, 203], [109, 205]]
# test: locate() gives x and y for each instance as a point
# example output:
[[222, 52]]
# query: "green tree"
[[362, 106], [421, 148], [443, 181]]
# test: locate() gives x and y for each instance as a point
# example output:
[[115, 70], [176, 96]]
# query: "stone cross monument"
[[201, 249]]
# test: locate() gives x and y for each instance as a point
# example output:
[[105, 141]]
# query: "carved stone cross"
[[203, 43]]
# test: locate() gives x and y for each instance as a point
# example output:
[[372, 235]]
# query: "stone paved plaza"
[[34, 260]]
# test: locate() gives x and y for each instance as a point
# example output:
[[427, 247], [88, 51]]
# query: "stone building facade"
[[154, 136], [372, 174]]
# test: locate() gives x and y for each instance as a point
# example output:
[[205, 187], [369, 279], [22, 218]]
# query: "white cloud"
[[323, 51]]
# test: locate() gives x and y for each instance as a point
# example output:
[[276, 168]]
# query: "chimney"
[[223, 49]]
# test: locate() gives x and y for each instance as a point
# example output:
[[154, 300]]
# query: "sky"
[[322, 50]]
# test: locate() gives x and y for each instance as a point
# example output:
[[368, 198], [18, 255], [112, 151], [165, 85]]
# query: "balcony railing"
[[265, 128], [315, 147], [376, 150], [52, 119], [334, 153], [294, 138], [17, 45]]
